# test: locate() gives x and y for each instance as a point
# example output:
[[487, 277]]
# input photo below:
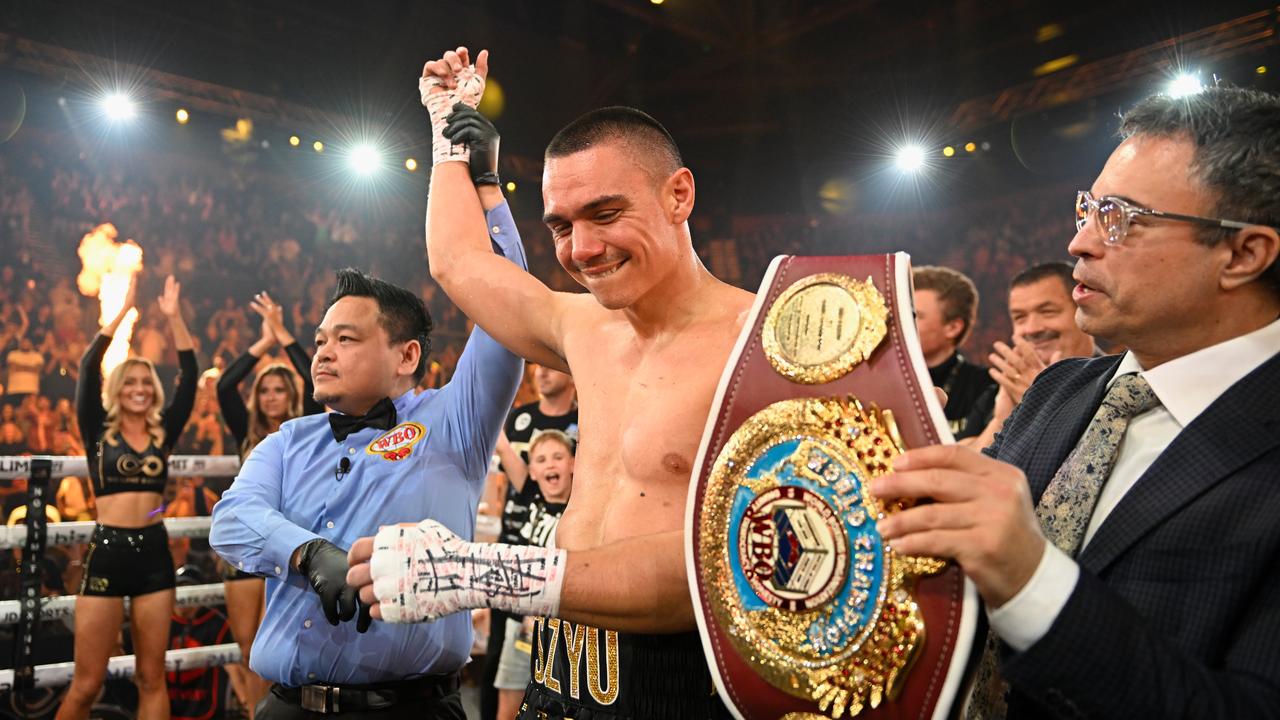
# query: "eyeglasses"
[[1112, 215]]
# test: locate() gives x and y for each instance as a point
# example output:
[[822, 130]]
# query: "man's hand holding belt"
[[325, 567], [416, 573]]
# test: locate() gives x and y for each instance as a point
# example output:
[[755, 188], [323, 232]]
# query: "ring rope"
[[73, 533], [64, 606], [122, 666], [19, 466]]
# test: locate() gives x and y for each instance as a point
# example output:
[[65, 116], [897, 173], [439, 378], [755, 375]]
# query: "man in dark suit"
[[1122, 529]]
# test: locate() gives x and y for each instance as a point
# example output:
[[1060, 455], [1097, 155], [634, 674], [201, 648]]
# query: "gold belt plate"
[[811, 596]]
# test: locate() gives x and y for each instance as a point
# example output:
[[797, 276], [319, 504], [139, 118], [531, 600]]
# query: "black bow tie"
[[382, 417]]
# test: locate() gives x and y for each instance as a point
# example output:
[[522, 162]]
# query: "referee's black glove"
[[325, 567], [466, 126]]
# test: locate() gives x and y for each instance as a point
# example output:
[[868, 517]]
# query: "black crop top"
[[234, 411], [115, 467]]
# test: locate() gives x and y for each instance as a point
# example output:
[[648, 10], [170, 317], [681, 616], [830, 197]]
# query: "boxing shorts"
[[581, 671]]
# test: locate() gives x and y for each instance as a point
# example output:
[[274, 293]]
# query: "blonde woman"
[[274, 398], [129, 434]]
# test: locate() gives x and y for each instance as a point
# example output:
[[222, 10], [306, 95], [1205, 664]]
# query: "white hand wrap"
[[424, 572], [440, 104]]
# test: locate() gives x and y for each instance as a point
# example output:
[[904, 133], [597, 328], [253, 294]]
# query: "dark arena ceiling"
[[769, 100]]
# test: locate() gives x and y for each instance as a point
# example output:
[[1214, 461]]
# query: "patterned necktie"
[[1065, 509]]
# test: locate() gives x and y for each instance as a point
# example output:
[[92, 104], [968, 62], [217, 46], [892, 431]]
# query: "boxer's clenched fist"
[[445, 82], [418, 573]]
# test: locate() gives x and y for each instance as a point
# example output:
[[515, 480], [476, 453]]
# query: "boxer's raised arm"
[[510, 304]]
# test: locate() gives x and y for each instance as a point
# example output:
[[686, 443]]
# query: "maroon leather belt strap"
[[804, 612]]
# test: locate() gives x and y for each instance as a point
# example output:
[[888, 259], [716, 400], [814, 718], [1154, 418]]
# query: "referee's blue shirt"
[[431, 465]]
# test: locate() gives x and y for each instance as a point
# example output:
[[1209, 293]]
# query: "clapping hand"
[[1015, 368], [272, 318]]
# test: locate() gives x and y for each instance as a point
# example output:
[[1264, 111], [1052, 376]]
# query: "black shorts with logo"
[[584, 672], [127, 562]]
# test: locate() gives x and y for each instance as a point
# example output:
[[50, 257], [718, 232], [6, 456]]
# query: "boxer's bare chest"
[[642, 409]]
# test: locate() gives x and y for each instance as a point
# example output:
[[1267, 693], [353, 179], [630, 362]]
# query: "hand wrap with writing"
[[423, 572], [440, 104]]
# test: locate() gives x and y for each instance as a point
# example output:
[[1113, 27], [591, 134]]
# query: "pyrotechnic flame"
[[107, 268]]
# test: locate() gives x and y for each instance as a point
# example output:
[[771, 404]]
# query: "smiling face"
[[137, 393], [551, 466], [1044, 315], [618, 228], [356, 364]]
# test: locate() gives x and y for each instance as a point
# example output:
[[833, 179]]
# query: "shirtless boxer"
[[646, 348]]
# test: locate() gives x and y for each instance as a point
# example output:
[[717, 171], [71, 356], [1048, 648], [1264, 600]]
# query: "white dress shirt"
[[1186, 387]]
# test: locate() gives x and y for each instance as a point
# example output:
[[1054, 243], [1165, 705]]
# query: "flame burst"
[[107, 269]]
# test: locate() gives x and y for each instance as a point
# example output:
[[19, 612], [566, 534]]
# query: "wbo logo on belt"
[[397, 443], [804, 611]]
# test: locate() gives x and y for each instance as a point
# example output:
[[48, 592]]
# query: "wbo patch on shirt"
[[397, 443]]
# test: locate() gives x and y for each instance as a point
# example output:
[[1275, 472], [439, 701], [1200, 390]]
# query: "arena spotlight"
[[410, 164], [909, 158], [182, 116], [1183, 85], [118, 106], [364, 159]]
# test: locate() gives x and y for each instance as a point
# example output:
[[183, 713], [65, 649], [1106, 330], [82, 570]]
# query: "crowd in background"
[[227, 231]]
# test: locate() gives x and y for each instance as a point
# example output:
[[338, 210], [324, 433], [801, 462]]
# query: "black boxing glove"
[[325, 567], [466, 126]]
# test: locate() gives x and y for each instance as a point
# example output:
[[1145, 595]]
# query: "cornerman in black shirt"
[[129, 434], [946, 305]]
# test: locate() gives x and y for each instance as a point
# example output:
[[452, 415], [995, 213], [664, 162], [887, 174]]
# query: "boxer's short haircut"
[[1063, 271], [647, 137], [401, 313], [956, 294]]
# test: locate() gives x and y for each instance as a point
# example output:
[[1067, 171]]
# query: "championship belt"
[[805, 611]]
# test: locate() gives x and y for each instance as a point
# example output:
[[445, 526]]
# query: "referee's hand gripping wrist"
[[467, 126]]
